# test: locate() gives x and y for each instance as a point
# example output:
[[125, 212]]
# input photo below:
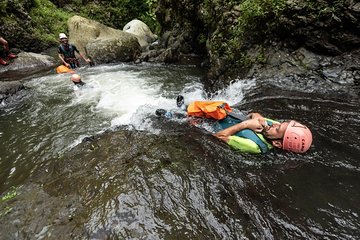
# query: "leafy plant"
[[48, 20], [9, 195]]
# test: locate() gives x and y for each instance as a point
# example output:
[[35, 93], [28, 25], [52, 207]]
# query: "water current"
[[152, 178]]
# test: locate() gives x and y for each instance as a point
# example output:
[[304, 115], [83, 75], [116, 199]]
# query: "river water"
[[151, 178]]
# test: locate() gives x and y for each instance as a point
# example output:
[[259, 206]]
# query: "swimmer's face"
[[64, 40], [275, 131]]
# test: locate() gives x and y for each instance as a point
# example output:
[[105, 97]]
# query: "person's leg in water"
[[168, 114], [179, 101]]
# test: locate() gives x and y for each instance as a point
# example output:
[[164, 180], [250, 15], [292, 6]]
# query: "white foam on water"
[[120, 95], [234, 93], [127, 96]]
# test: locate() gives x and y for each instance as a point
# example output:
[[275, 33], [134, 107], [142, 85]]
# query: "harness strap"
[[63, 48], [240, 117], [250, 134], [71, 60], [245, 133], [71, 49]]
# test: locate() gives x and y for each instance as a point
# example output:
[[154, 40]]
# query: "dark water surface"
[[148, 178]]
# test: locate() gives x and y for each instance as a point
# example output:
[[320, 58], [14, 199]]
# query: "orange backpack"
[[209, 109], [64, 69]]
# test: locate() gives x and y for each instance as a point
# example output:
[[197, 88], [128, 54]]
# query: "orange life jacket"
[[64, 69], [209, 109]]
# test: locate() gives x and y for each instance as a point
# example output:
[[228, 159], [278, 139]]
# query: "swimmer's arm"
[[255, 124], [227, 132], [83, 57], [63, 61]]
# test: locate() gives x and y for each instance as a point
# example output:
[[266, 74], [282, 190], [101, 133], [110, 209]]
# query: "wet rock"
[[324, 28], [305, 65], [150, 56], [9, 88], [35, 214], [281, 63], [170, 55], [26, 63]]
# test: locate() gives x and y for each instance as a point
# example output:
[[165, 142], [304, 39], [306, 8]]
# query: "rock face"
[[115, 49], [141, 31], [27, 63], [231, 32], [103, 44]]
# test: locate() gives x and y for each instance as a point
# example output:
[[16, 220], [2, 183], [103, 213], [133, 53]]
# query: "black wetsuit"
[[68, 51]]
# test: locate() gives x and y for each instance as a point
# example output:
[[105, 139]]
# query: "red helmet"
[[75, 78], [297, 138]]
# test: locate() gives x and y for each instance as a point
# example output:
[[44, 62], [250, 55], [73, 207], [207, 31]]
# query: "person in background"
[[5, 53], [76, 79], [67, 53]]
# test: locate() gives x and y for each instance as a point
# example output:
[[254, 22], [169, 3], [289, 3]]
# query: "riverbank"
[[230, 39]]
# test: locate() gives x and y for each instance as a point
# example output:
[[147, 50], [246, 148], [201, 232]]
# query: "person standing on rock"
[[4, 52], [67, 53]]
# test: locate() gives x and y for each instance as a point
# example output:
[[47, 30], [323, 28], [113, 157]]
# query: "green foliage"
[[326, 10], [149, 17], [235, 25], [255, 12], [9, 195], [49, 19], [117, 14], [3, 5], [33, 25], [256, 20], [202, 38]]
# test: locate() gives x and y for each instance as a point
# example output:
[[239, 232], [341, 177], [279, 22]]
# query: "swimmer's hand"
[[256, 124]]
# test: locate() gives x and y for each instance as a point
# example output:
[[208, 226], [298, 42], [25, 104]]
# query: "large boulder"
[[115, 49], [141, 31], [103, 44], [26, 63]]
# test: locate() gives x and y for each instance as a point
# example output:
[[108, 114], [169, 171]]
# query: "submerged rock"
[[9, 88]]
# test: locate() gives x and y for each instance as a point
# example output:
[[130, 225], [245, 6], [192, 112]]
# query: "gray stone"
[[28, 61], [108, 50], [141, 31], [103, 44], [9, 88]]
